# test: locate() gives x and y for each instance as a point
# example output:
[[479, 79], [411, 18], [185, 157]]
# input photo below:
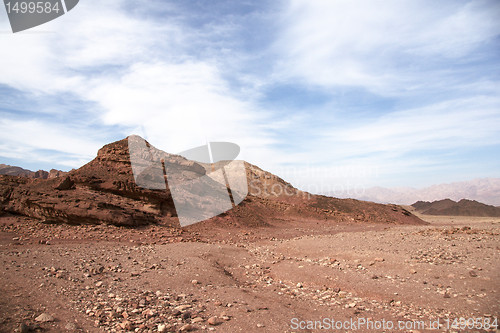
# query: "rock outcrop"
[[104, 191]]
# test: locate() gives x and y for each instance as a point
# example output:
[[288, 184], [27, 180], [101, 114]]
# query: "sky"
[[330, 95]]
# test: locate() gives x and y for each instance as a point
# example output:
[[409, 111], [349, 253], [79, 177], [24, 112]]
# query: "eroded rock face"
[[104, 191]]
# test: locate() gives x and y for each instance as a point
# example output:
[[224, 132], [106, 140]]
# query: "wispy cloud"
[[446, 125], [386, 47]]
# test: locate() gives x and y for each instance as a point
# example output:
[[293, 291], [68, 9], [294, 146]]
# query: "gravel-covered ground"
[[58, 278]]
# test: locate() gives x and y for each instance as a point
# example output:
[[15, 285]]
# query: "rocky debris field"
[[60, 278]]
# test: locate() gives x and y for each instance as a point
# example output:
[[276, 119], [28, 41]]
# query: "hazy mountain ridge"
[[485, 190], [10, 170]]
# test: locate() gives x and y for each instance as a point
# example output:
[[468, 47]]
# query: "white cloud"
[[178, 105], [454, 124], [25, 139], [387, 47]]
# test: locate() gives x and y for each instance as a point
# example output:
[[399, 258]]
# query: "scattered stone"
[[186, 328], [70, 326], [66, 184], [24, 328], [126, 325], [472, 273], [162, 327], [195, 282], [183, 307], [213, 321], [44, 317], [260, 325]]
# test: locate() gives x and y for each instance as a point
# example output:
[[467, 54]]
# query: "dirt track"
[[98, 279]]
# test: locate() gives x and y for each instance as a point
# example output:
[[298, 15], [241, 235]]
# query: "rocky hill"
[[104, 192], [463, 207]]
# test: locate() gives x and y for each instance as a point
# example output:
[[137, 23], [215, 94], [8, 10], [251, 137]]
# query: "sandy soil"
[[274, 279]]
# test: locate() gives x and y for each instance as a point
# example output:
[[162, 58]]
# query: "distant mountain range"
[[18, 171], [461, 208], [486, 190]]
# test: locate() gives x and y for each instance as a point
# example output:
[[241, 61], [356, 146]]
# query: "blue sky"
[[326, 94]]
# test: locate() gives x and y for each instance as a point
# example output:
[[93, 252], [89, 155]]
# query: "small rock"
[[197, 320], [195, 282], [183, 307], [186, 328], [260, 325], [148, 313], [162, 327], [99, 284], [66, 184], [24, 328], [379, 259], [472, 273], [126, 325], [299, 285], [70, 326], [44, 317], [213, 321]]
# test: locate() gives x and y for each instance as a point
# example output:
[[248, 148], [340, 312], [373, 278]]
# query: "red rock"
[[104, 191]]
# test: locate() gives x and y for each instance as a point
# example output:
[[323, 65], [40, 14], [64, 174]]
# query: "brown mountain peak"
[[104, 191]]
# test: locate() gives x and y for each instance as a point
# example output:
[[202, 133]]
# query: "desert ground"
[[285, 277]]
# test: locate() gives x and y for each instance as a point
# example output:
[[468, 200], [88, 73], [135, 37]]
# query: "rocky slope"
[[104, 192], [463, 207]]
